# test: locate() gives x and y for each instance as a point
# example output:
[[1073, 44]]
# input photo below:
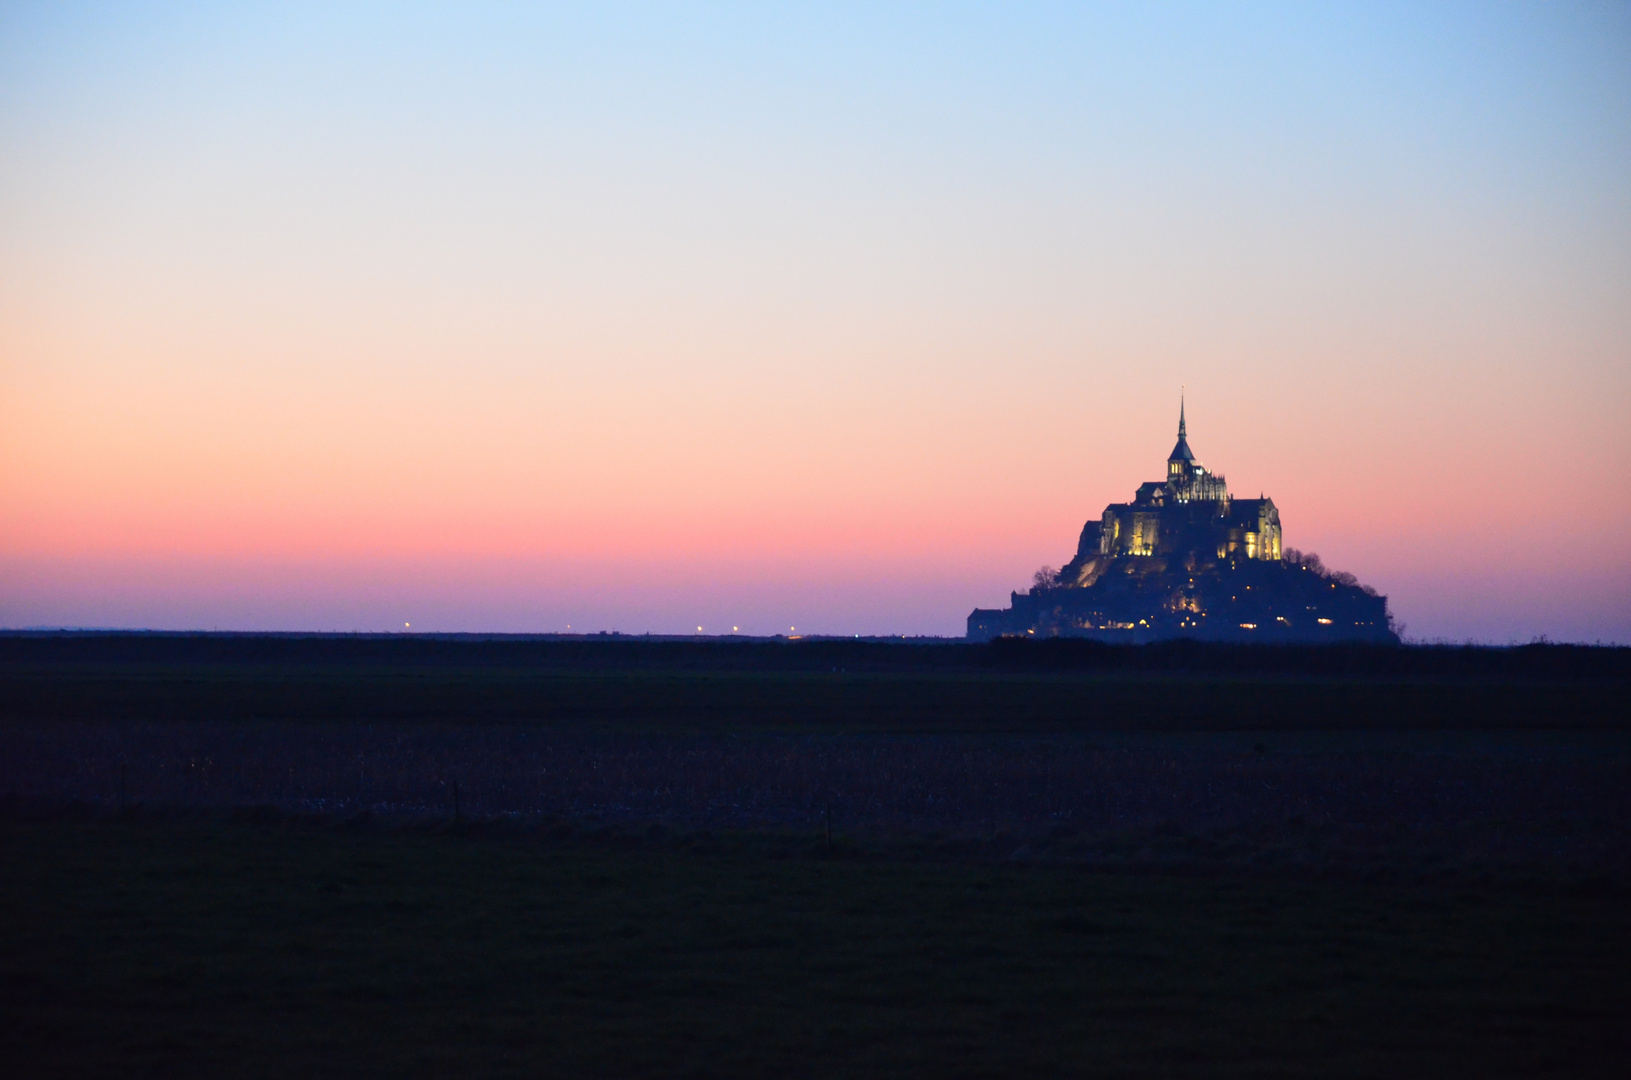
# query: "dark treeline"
[[1544, 661]]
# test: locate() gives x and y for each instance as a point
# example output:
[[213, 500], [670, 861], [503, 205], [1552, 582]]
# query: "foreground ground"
[[199, 945], [247, 856]]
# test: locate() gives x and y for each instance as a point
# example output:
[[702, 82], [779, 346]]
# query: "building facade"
[[1191, 508]]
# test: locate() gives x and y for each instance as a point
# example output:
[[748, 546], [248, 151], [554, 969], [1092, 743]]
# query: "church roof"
[[1181, 452], [1247, 511]]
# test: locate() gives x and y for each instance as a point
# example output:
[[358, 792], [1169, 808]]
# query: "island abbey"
[[1185, 558]]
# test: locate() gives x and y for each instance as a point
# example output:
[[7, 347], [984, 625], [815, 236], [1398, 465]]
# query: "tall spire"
[[1181, 452]]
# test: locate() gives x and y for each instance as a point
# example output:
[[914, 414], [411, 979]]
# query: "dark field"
[[831, 686], [212, 948], [1389, 803], [387, 856]]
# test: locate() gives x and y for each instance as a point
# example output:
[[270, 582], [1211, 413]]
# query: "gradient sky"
[[843, 318]]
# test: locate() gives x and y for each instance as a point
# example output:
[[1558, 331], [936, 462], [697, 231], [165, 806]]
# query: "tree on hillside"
[[1310, 561]]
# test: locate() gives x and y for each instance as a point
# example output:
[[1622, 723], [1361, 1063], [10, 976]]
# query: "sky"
[[828, 318]]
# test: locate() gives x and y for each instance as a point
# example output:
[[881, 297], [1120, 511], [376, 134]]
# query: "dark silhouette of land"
[[392, 855]]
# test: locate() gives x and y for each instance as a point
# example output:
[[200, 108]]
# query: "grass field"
[[202, 946], [666, 687], [668, 701], [244, 856]]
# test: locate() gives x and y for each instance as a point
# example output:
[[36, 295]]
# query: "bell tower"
[[1181, 461]]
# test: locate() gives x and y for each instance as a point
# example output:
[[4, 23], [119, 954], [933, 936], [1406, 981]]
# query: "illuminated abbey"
[[1185, 558]]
